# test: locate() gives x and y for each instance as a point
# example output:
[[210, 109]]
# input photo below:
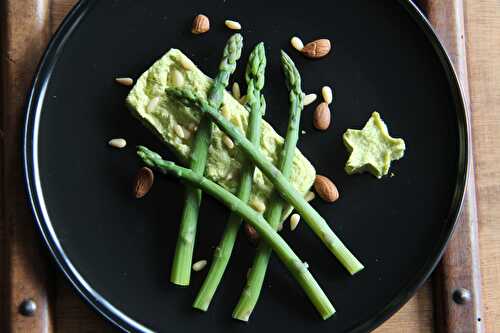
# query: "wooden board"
[[482, 18]]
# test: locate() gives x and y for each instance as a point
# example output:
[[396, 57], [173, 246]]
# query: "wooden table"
[[482, 18]]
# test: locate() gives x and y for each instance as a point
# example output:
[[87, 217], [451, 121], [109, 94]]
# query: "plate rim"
[[119, 319]]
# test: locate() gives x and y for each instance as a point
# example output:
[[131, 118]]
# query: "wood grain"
[[483, 47], [459, 267], [25, 32]]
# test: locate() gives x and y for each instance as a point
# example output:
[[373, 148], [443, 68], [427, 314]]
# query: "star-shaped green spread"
[[372, 148]]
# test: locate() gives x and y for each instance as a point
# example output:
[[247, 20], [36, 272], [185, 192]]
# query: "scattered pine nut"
[[179, 131], [297, 43], [303, 132], [294, 221], [153, 104], [177, 78], [243, 99], [125, 81], [258, 205], [310, 196], [199, 265], [236, 90], [118, 143], [327, 94], [280, 227], [233, 25], [228, 142], [309, 99]]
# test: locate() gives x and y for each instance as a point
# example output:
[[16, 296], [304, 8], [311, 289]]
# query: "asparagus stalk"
[[281, 184], [251, 292], [181, 266], [255, 101], [293, 263]]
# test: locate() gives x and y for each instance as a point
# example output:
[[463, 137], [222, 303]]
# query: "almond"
[[322, 116], [201, 24], [143, 182], [326, 189], [251, 233], [317, 49]]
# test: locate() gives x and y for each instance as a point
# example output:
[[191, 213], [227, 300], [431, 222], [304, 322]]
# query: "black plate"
[[117, 251]]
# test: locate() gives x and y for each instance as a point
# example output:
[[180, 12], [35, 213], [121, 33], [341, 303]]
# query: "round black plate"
[[117, 250]]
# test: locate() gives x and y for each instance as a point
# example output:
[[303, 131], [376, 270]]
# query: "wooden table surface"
[[483, 46]]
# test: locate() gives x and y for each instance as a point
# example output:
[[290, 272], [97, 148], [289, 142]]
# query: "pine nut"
[[225, 112], [233, 25], [294, 221], [297, 43], [309, 99], [236, 90], [243, 99], [177, 78], [228, 142], [199, 265], [327, 94], [153, 104], [118, 143], [258, 205], [187, 64], [310, 196], [125, 81], [179, 131]]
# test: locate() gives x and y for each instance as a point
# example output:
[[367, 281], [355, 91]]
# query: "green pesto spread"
[[163, 116], [372, 149]]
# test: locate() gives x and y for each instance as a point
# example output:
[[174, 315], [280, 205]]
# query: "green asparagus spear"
[[255, 73], [251, 292], [281, 184], [293, 263], [181, 266]]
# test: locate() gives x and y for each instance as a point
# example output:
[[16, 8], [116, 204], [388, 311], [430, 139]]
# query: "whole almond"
[[322, 117], [201, 24], [143, 182], [326, 189], [251, 233], [317, 49]]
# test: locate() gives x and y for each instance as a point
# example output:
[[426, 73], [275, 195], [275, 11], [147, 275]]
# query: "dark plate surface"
[[117, 251]]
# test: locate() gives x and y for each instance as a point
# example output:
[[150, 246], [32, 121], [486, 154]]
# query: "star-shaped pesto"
[[372, 148]]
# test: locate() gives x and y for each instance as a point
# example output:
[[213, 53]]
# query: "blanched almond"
[[326, 189]]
